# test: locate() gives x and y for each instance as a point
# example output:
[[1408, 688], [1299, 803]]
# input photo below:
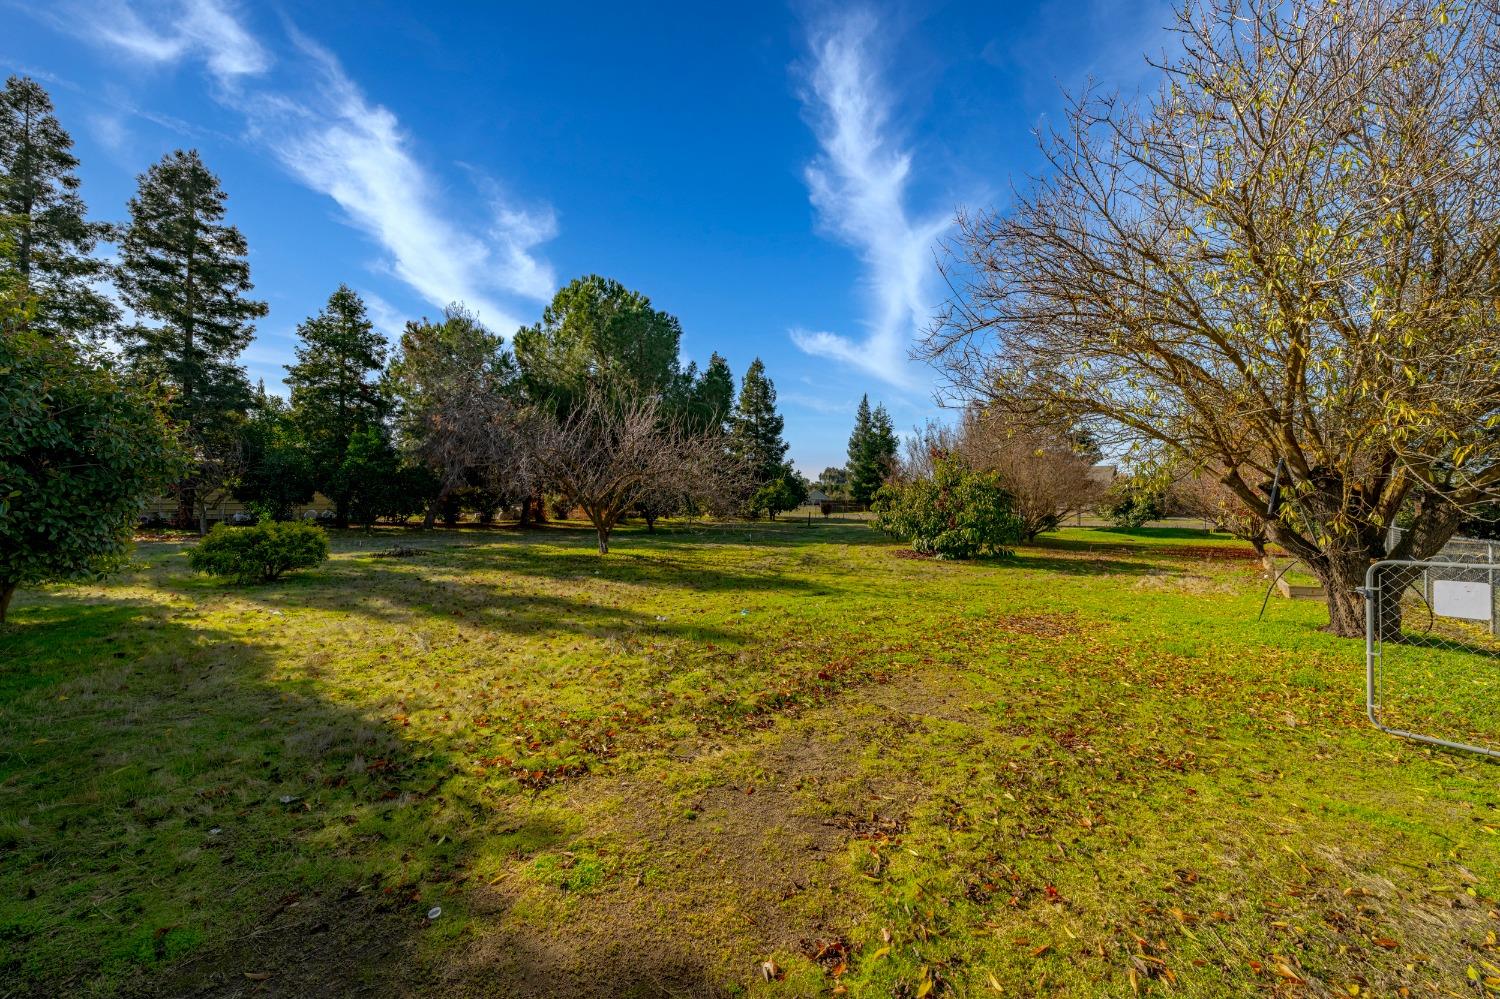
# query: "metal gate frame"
[[1374, 666]]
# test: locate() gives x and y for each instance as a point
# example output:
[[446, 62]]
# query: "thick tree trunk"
[[1346, 610], [650, 519], [603, 533], [1433, 527], [429, 519], [7, 590]]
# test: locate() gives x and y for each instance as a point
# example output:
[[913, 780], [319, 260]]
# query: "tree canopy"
[[872, 451], [184, 273], [46, 241], [598, 333], [80, 452], [1287, 257], [459, 408], [336, 389], [755, 427]]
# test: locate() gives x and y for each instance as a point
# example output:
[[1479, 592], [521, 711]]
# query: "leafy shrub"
[[1133, 502], [80, 453], [958, 513], [780, 494], [260, 553]]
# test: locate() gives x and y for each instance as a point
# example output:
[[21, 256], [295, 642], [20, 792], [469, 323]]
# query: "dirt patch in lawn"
[[1188, 582], [1038, 625], [739, 863], [1210, 553], [356, 944]]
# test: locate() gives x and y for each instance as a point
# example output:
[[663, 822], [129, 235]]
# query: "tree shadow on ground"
[[1084, 564], [176, 812], [189, 820], [441, 584], [414, 600], [667, 567]]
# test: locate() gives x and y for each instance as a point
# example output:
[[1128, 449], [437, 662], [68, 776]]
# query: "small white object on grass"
[[434, 912]]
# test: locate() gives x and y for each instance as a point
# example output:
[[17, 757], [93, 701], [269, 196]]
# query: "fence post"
[[1494, 623], [1372, 608]]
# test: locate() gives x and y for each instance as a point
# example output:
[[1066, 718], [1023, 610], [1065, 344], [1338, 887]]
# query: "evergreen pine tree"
[[859, 437], [755, 427], [184, 272], [712, 397], [598, 332], [872, 451], [45, 241], [274, 472], [333, 395], [182, 267]]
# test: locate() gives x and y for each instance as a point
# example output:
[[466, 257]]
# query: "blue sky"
[[775, 176]]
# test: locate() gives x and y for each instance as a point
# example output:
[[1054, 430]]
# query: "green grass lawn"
[[717, 757]]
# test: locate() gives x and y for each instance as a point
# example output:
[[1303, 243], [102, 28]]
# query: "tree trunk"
[[1346, 611], [650, 519], [1342, 575], [186, 495], [1258, 542], [430, 517], [341, 513], [7, 590], [1433, 527], [603, 539]]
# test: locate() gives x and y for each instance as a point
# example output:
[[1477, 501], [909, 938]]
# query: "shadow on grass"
[[448, 582], [174, 817], [1085, 565], [1149, 534], [410, 596]]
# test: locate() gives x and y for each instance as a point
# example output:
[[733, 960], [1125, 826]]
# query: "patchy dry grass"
[[718, 756]]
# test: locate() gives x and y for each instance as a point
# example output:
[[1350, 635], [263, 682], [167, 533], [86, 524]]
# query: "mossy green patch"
[[1082, 770]]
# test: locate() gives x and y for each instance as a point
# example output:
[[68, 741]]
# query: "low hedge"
[[261, 553]]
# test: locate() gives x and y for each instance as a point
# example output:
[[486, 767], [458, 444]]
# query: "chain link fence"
[[1432, 652]]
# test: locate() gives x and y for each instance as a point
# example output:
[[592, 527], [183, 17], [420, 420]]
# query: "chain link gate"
[[1432, 652]]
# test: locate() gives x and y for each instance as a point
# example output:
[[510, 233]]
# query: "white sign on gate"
[[1455, 598]]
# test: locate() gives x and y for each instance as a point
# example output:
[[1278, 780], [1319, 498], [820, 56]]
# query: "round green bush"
[[261, 553], [958, 513]]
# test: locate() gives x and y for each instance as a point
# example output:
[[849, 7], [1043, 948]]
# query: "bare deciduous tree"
[[1205, 496], [922, 447], [1039, 466], [1289, 254], [609, 455]]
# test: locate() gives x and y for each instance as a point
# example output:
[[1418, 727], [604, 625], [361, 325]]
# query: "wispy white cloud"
[[109, 131], [324, 131], [205, 29], [388, 320], [337, 142], [859, 185], [820, 403]]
